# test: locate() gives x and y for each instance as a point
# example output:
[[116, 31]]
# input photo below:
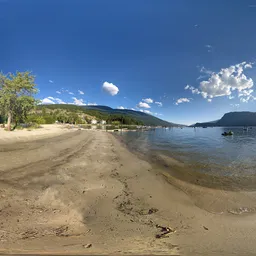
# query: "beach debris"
[[59, 231], [87, 245], [29, 234], [152, 210], [165, 231], [205, 228]]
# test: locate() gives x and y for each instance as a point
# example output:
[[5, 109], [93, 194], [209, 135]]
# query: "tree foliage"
[[16, 96]]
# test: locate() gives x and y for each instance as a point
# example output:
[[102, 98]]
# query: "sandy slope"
[[84, 189]]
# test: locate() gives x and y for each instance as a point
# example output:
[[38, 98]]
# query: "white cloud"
[[47, 101], [148, 100], [225, 83], [79, 102], [204, 71], [146, 111], [182, 100], [143, 105], [246, 99], [50, 81], [245, 93], [92, 104], [132, 109], [59, 101], [81, 92], [158, 114], [58, 92], [209, 47], [160, 104], [231, 97], [71, 93], [248, 65], [193, 89], [209, 100], [110, 88], [235, 105], [52, 100], [120, 107]]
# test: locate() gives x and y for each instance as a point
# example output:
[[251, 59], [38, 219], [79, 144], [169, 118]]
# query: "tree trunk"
[[9, 121], [15, 125]]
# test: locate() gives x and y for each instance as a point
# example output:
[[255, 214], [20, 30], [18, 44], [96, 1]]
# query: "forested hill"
[[106, 113], [244, 118]]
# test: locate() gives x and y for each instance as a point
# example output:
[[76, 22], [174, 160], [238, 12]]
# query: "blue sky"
[[135, 53]]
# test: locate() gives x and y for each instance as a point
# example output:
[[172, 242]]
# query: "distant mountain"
[[141, 116], [244, 118], [102, 112]]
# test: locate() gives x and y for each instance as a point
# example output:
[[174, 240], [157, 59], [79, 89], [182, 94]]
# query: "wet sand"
[[83, 192]]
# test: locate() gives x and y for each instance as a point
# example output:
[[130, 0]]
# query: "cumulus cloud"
[[143, 105], [47, 101], [120, 107], [58, 92], [110, 88], [248, 65], [71, 93], [160, 104], [209, 100], [246, 99], [225, 83], [146, 111], [92, 104], [245, 93], [193, 89], [148, 100], [182, 100], [50, 81], [158, 114], [79, 102], [81, 92], [52, 100], [59, 101]]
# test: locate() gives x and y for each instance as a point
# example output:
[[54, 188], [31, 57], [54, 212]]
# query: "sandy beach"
[[83, 192]]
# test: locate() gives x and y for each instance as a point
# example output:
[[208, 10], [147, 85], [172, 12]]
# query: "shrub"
[[111, 127]]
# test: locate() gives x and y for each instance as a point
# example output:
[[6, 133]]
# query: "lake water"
[[204, 150]]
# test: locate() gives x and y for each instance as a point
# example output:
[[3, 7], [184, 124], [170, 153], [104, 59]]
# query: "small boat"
[[245, 128], [227, 133]]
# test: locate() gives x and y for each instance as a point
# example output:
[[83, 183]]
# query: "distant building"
[[103, 122], [93, 121]]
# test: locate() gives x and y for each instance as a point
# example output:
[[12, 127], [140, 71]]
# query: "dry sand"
[[83, 192], [46, 131]]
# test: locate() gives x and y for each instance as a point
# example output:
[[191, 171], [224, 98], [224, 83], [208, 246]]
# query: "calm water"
[[205, 149]]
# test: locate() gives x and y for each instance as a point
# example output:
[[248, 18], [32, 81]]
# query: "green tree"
[[16, 96]]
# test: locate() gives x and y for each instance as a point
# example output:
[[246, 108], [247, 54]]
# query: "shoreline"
[[186, 173], [84, 192]]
